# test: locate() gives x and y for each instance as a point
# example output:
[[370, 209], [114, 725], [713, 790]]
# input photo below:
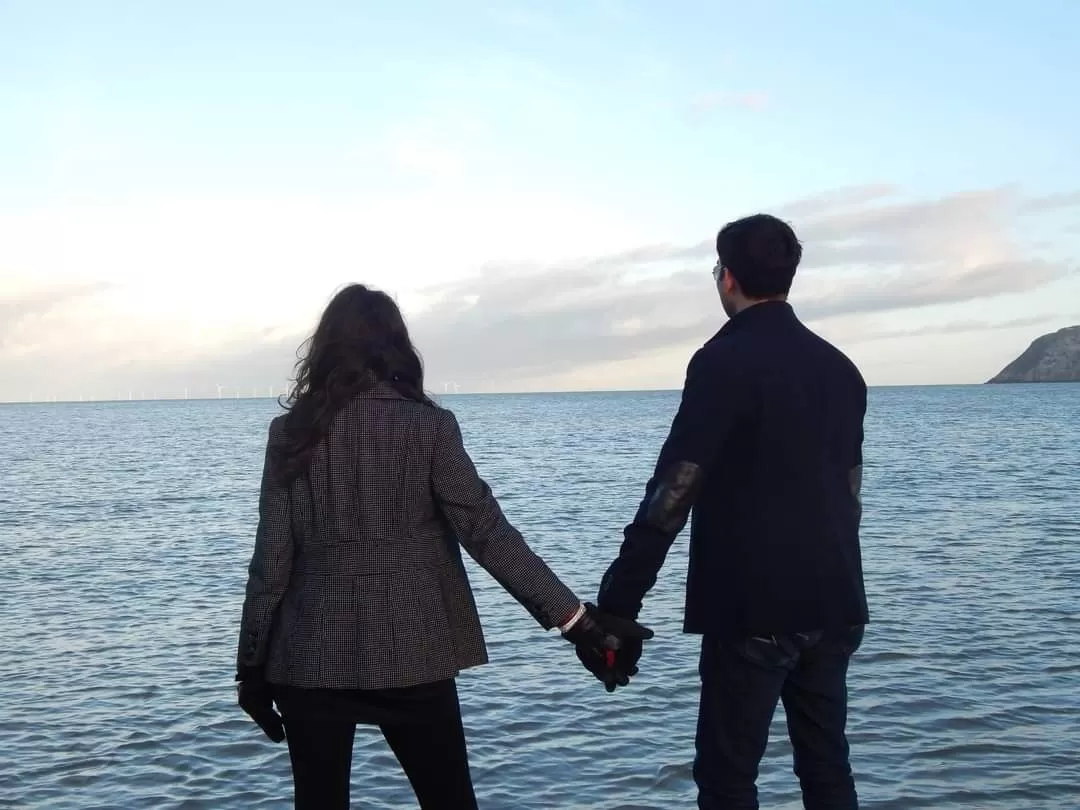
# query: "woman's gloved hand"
[[255, 697], [598, 637]]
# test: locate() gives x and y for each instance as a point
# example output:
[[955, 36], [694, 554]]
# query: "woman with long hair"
[[358, 609]]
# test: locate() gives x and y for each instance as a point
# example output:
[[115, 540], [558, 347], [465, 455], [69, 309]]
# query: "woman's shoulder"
[[276, 428], [432, 417], [432, 413]]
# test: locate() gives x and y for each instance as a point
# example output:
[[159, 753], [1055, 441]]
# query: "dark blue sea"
[[126, 529]]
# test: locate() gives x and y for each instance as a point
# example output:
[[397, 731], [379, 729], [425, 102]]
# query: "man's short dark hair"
[[762, 253]]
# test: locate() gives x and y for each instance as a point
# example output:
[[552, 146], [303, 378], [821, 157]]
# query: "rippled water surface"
[[127, 527]]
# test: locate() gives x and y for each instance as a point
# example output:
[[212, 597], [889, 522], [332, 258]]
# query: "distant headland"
[[1051, 358]]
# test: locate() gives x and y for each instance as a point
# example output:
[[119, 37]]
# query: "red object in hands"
[[610, 656]]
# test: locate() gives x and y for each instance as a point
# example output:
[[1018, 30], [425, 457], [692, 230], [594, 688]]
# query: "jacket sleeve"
[[268, 572], [710, 407], [476, 519]]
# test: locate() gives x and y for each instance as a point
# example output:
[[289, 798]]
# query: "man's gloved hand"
[[598, 639], [255, 698]]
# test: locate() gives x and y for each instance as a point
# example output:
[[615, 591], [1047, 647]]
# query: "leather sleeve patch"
[[674, 496], [855, 480]]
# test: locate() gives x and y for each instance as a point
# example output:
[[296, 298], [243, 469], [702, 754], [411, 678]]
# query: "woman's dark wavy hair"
[[361, 340]]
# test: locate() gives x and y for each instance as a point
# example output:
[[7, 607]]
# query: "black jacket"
[[763, 446]]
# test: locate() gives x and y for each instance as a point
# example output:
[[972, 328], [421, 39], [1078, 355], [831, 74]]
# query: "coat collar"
[[381, 390], [763, 314]]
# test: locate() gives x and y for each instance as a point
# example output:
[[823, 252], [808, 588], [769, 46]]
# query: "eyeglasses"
[[718, 271]]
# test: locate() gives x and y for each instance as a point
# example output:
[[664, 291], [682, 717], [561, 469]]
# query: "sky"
[[183, 186]]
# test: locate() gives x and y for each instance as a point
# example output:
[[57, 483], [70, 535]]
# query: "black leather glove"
[[598, 638], [628, 655], [256, 698], [603, 665]]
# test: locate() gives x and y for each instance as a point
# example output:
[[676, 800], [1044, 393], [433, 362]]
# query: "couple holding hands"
[[358, 609]]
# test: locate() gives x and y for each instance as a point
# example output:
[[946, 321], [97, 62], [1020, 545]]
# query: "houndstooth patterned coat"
[[357, 581]]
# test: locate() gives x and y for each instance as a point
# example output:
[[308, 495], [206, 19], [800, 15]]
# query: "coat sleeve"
[[268, 571], [475, 517], [711, 405]]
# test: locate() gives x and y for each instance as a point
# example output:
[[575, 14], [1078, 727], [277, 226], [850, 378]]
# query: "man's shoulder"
[[717, 353], [836, 357], [738, 354]]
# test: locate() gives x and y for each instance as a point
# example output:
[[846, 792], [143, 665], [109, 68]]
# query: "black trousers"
[[741, 684], [422, 726]]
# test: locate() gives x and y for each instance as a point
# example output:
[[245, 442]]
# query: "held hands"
[[608, 646], [254, 696]]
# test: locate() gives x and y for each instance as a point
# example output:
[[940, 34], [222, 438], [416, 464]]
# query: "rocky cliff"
[[1050, 358]]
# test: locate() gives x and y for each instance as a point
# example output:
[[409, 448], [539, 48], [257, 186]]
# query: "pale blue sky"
[[209, 172]]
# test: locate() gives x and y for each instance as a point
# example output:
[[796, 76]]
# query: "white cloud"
[[226, 290]]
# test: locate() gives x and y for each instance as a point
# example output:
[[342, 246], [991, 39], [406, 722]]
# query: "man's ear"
[[728, 282]]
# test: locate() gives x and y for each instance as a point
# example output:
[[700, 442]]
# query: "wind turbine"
[[220, 388]]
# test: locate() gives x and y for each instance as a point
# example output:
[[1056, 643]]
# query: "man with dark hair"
[[766, 450]]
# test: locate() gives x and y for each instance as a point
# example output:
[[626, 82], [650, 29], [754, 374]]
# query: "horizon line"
[[435, 395]]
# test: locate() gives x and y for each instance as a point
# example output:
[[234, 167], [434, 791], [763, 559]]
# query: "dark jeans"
[[427, 739], [741, 683]]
